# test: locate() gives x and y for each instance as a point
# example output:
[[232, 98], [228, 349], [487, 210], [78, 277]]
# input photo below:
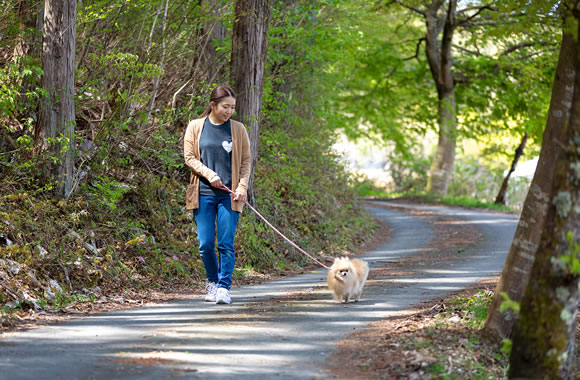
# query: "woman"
[[217, 150]]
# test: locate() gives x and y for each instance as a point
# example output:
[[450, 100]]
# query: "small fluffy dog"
[[346, 278]]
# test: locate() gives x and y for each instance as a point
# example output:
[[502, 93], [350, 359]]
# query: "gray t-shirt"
[[215, 145]]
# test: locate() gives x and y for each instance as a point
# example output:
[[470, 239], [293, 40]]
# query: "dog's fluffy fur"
[[346, 278]]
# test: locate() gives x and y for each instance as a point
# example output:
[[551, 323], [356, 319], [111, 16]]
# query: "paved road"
[[283, 329]]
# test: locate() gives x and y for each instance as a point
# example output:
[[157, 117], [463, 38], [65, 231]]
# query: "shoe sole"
[[223, 302]]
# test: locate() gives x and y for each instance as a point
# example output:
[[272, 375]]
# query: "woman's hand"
[[216, 182], [237, 196]]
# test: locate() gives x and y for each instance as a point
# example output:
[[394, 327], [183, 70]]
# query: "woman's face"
[[222, 111]]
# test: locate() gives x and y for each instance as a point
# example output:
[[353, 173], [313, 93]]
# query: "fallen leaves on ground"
[[430, 341]]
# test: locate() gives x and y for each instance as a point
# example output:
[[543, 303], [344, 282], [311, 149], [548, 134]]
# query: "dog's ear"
[[336, 260]]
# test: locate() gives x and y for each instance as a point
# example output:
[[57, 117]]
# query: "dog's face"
[[342, 272]]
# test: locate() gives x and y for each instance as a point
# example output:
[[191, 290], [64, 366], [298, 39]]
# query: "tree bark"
[[544, 335], [500, 198], [28, 43], [216, 32], [157, 78], [27, 20], [518, 265], [248, 61], [56, 125], [440, 63]]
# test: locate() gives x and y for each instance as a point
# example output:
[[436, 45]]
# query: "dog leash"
[[278, 232]]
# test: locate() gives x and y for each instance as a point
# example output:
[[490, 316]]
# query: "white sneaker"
[[211, 288], [223, 296]]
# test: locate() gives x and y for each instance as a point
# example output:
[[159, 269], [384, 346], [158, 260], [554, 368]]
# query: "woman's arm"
[[245, 165], [191, 160]]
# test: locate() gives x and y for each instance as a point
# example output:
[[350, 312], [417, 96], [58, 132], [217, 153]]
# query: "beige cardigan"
[[241, 161]]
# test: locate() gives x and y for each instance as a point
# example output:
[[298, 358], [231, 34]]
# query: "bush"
[[126, 226], [475, 180]]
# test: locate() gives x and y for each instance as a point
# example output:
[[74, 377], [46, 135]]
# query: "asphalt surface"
[[283, 329]]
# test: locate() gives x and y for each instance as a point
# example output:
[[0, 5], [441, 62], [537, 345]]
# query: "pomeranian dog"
[[346, 278]]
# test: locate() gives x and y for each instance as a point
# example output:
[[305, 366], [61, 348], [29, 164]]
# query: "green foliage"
[[468, 202], [380, 82], [436, 369], [300, 186], [14, 97], [374, 88], [127, 66], [125, 227], [472, 309], [447, 340], [476, 183], [506, 348], [110, 191], [475, 307], [508, 304], [409, 174], [571, 257], [304, 192], [366, 188]]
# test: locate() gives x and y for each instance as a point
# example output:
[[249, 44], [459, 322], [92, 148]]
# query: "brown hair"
[[216, 96]]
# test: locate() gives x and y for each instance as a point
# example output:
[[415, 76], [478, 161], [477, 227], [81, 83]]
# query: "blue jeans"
[[212, 209]]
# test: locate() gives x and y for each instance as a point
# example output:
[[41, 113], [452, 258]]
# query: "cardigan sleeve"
[[245, 163], [191, 153]]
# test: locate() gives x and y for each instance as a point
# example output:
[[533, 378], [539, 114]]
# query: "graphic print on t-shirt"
[[227, 146]]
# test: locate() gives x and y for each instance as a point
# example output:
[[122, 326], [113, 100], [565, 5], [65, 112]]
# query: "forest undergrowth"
[[125, 229]]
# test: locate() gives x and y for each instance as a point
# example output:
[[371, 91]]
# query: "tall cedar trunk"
[[440, 63], [500, 198], [217, 32], [28, 43], [57, 112], [544, 334], [157, 78], [248, 60], [518, 265], [27, 20]]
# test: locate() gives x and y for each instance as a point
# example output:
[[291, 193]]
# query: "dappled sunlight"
[[380, 254], [447, 271], [292, 322], [439, 283]]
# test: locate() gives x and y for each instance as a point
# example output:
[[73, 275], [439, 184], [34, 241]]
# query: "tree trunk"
[[500, 198], [518, 265], [27, 20], [544, 335], [216, 32], [56, 125], [444, 160], [248, 60], [28, 43], [440, 63], [157, 78]]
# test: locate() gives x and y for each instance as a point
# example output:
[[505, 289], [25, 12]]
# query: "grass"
[[472, 308], [367, 189], [468, 202], [475, 307], [462, 201]]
